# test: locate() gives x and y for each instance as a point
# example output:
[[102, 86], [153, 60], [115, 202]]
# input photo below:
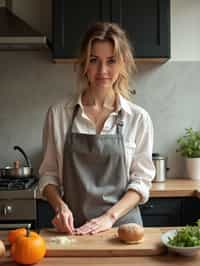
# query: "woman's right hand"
[[63, 220]]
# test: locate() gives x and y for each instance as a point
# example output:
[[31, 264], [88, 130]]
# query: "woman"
[[97, 166]]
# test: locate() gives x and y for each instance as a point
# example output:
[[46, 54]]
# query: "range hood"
[[15, 33]]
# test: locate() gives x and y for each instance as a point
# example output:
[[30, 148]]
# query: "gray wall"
[[30, 82], [170, 93]]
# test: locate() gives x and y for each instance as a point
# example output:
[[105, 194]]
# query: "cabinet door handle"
[[148, 206]]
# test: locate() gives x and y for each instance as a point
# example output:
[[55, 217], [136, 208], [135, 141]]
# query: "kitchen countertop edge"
[[176, 187]]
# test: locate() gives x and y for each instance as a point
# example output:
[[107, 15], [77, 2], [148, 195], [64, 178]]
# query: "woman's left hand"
[[96, 225]]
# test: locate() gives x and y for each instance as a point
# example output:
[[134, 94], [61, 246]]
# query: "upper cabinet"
[[71, 19], [147, 24]]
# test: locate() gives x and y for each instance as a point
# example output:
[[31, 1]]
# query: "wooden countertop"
[[176, 187], [164, 260], [156, 260]]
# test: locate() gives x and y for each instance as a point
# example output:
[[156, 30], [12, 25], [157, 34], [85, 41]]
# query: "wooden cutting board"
[[102, 244]]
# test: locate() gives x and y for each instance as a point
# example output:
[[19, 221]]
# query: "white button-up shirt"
[[137, 134]]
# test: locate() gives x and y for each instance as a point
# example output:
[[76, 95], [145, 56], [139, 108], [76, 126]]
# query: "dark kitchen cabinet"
[[162, 212], [191, 210], [71, 19], [147, 24], [156, 212], [45, 214], [171, 211]]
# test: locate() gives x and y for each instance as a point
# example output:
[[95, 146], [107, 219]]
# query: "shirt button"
[[106, 128]]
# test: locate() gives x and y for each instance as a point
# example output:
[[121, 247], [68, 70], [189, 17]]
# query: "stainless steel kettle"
[[160, 163]]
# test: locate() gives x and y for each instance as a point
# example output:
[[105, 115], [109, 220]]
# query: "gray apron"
[[95, 174]]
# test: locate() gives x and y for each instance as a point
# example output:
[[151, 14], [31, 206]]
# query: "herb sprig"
[[189, 236]]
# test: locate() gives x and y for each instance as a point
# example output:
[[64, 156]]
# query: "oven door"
[[9, 226], [15, 213]]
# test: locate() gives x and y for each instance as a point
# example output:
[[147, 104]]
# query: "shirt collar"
[[72, 102], [122, 103]]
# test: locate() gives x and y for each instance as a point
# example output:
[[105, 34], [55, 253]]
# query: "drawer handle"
[[148, 206]]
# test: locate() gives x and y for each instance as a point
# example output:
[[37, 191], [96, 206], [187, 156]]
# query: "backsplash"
[[30, 82]]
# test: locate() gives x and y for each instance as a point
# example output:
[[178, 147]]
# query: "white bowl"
[[186, 251]]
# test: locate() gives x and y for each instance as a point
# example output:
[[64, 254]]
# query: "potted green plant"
[[189, 147]]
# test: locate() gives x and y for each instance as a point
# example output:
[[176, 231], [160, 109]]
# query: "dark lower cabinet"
[[191, 210], [171, 211], [45, 214], [156, 212], [162, 212]]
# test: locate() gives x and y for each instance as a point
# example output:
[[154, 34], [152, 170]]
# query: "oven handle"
[[8, 226]]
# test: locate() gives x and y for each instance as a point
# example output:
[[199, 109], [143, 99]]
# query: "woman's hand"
[[96, 225], [63, 220]]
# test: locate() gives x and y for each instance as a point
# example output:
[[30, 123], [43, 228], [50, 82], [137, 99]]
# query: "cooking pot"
[[17, 170], [160, 163]]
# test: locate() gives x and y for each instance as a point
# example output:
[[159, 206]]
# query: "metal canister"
[[160, 163]]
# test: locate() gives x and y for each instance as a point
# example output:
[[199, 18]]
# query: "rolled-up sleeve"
[[48, 171], [142, 168]]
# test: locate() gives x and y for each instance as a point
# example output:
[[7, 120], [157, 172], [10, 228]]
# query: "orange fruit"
[[14, 234]]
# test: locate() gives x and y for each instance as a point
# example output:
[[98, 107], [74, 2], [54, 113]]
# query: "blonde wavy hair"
[[104, 31]]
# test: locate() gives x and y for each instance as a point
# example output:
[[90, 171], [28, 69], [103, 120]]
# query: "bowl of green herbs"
[[184, 241]]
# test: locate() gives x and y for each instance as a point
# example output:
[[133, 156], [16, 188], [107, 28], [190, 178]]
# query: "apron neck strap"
[[76, 108], [120, 122], [75, 111]]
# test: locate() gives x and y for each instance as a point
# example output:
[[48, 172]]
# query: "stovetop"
[[18, 188], [10, 183]]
